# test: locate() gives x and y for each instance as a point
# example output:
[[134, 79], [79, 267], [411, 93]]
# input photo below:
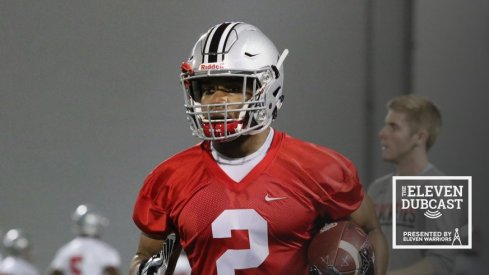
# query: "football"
[[341, 247]]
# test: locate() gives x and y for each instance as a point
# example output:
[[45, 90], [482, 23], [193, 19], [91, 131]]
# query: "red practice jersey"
[[260, 225]]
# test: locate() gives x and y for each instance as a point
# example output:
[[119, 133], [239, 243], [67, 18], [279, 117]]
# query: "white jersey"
[[16, 266], [87, 256]]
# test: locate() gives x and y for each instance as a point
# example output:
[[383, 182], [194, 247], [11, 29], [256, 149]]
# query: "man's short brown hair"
[[421, 113]]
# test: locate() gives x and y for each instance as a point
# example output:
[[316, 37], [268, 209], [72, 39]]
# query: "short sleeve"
[[56, 263], [149, 213], [342, 192], [112, 258]]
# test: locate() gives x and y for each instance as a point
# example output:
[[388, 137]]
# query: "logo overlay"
[[211, 66], [439, 210], [268, 198]]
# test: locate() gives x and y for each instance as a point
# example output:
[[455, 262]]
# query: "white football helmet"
[[240, 51], [88, 222], [17, 243]]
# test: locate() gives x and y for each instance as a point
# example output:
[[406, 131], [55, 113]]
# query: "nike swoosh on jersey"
[[268, 198]]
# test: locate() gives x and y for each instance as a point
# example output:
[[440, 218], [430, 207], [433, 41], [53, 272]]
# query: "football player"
[[248, 198], [18, 248], [86, 253]]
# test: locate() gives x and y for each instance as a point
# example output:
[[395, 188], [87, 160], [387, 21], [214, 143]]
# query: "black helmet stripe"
[[205, 45], [215, 42], [212, 54], [226, 40]]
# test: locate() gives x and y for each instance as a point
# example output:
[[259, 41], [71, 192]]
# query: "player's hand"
[[150, 266], [160, 261], [367, 265]]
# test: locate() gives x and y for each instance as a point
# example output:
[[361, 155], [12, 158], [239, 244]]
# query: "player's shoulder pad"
[[318, 152], [319, 160], [189, 157]]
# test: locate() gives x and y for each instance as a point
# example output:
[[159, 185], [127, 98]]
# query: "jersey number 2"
[[241, 219]]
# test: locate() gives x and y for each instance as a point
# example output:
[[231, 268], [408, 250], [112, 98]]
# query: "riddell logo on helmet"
[[211, 66]]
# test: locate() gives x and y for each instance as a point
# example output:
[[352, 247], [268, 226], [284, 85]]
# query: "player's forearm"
[[366, 217], [381, 248], [55, 272], [111, 270], [136, 261], [146, 249]]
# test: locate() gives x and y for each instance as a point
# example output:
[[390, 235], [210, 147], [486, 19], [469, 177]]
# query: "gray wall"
[[451, 65], [90, 100]]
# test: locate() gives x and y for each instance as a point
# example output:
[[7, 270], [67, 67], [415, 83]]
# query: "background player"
[[18, 248], [248, 198], [411, 128], [86, 253]]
